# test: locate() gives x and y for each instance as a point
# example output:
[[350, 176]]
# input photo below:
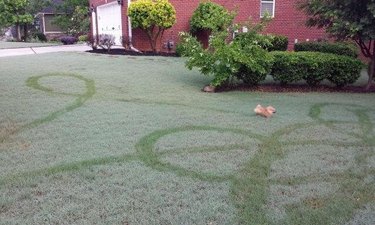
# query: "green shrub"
[[326, 47], [253, 77], [83, 38], [179, 49], [210, 16], [225, 61], [279, 43], [288, 67], [268, 42], [254, 47], [314, 67], [317, 67], [251, 38], [40, 36], [344, 70]]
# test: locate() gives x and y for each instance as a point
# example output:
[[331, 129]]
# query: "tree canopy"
[[210, 16], [14, 12], [346, 19], [74, 16]]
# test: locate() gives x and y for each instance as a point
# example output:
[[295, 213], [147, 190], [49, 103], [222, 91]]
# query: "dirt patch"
[[7, 128], [314, 203]]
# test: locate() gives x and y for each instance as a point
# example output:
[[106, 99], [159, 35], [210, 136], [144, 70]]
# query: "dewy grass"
[[88, 138], [10, 45], [80, 99]]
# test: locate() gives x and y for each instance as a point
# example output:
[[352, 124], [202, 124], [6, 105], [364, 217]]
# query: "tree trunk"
[[371, 71], [25, 31], [153, 45], [151, 39], [18, 28]]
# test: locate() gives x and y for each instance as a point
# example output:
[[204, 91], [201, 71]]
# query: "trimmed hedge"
[[288, 67], [326, 47], [314, 67], [344, 70], [253, 78]]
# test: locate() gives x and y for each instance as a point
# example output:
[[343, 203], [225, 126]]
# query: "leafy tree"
[[153, 17], [346, 19], [74, 16], [35, 6], [14, 12]]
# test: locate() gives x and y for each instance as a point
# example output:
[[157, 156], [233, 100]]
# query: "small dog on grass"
[[265, 111]]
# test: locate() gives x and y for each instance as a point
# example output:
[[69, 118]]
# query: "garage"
[[109, 20]]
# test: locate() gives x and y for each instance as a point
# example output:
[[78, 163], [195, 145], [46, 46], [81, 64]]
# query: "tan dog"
[[264, 111]]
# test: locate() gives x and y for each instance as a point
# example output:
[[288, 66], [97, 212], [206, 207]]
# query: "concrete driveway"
[[41, 50]]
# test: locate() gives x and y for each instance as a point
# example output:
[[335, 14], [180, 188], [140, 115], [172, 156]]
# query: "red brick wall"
[[95, 3], [288, 20]]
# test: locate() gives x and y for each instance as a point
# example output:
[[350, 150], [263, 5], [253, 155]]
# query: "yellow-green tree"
[[153, 17]]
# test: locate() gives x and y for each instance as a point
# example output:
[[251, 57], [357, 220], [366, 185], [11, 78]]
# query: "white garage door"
[[109, 20]]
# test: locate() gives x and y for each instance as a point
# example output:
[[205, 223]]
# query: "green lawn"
[[8, 44], [94, 139]]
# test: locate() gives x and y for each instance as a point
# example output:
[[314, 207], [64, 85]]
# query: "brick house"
[[45, 21], [110, 17]]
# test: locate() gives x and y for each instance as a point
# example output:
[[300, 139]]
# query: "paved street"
[[41, 50]]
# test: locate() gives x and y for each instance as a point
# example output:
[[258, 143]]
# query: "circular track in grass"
[[198, 155]]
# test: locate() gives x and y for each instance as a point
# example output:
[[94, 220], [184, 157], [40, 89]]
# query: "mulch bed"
[[118, 51], [277, 88]]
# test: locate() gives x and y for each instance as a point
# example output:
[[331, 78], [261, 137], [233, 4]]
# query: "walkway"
[[41, 50]]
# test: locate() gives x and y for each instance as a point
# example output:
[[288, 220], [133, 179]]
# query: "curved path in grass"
[[33, 82]]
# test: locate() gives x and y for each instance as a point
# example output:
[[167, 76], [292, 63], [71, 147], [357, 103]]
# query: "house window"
[[267, 6]]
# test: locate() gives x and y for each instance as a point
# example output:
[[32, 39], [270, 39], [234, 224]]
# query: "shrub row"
[[314, 67], [326, 47], [69, 40]]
